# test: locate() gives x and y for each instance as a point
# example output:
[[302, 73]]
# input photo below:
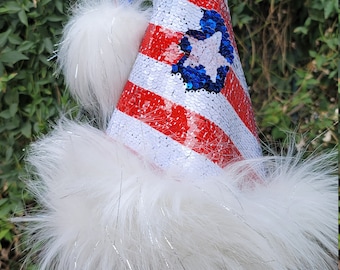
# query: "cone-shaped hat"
[[186, 104], [186, 110]]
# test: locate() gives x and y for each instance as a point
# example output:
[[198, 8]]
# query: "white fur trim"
[[99, 45], [104, 208]]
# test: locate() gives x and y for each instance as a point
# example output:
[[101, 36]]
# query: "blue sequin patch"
[[196, 77]]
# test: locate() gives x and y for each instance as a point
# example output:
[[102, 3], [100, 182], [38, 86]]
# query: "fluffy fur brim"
[[103, 207]]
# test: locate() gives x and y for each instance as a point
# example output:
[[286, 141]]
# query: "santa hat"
[[177, 180]]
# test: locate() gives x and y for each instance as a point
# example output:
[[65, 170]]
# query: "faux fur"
[[98, 48], [105, 208]]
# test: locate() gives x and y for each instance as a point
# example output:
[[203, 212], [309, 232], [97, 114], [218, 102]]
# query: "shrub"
[[29, 98]]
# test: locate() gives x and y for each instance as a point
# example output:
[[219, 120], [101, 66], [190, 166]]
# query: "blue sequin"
[[196, 77]]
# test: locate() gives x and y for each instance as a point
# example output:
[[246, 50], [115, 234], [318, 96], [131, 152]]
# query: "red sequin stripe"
[[237, 97], [158, 42], [221, 8], [184, 126], [162, 44]]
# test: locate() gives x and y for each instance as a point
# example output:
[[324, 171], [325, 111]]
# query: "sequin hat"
[[186, 103], [173, 181]]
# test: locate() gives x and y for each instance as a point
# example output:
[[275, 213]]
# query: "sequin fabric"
[[186, 106], [207, 54]]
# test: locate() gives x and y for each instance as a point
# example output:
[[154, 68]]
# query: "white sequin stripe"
[[237, 67], [156, 77], [171, 16], [159, 148]]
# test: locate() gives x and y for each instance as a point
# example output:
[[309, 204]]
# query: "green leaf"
[[10, 7], [15, 39], [59, 5], [5, 114], [13, 108], [4, 233], [54, 18], [23, 17], [45, 2], [301, 30], [3, 82], [48, 45], [332, 74], [9, 153], [271, 120], [44, 60], [317, 14], [11, 97], [277, 133], [13, 124], [37, 128], [4, 37], [238, 9], [12, 57], [329, 8], [25, 46], [3, 201], [26, 130], [10, 112], [313, 53]]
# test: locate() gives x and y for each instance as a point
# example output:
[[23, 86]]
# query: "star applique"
[[206, 53]]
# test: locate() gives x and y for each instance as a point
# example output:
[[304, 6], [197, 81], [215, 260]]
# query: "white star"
[[206, 53]]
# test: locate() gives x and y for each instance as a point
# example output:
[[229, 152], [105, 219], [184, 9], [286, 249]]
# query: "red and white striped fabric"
[[196, 132]]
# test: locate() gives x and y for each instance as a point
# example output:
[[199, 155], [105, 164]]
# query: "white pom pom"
[[98, 49]]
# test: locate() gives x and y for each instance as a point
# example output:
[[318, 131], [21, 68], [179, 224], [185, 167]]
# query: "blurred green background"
[[289, 51]]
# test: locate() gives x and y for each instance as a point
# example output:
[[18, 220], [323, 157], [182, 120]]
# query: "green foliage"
[[290, 55], [289, 50], [29, 98]]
